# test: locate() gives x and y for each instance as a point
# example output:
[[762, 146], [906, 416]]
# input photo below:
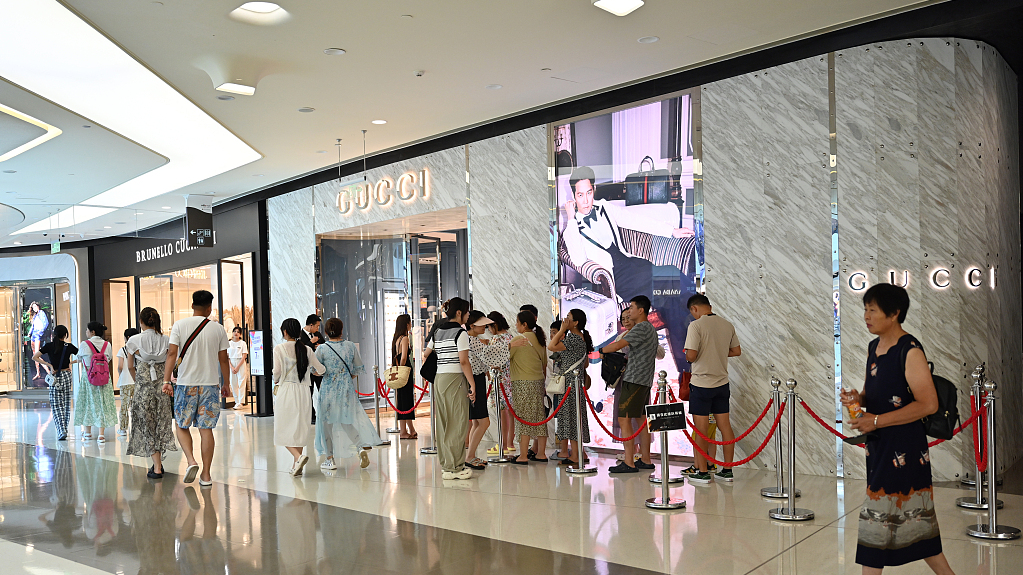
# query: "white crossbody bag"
[[557, 383]]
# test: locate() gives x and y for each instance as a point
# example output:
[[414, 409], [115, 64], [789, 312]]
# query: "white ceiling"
[[461, 47]]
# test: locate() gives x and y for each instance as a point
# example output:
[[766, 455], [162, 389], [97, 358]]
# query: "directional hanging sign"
[[199, 221]]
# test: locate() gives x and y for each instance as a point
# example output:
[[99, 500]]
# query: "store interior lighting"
[[619, 7], [100, 81]]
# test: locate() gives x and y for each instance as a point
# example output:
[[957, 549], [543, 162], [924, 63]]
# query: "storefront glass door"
[[10, 339], [171, 293]]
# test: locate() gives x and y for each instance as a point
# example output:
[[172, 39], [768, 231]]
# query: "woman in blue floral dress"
[[342, 427]]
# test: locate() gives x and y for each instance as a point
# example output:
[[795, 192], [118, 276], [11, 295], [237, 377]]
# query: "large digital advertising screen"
[[627, 226]]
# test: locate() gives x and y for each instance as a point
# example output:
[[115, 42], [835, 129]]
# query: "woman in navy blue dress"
[[897, 522]]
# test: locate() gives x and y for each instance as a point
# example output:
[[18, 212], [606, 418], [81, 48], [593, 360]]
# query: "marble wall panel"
[[292, 258], [509, 213], [937, 202], [767, 222]]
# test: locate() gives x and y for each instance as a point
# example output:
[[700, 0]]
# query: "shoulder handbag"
[[396, 376], [188, 342], [648, 186], [50, 377], [557, 383]]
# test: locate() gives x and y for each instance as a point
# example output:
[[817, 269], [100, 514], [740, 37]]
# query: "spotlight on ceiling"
[[334, 51], [379, 122], [260, 7], [240, 89], [260, 14], [618, 7]]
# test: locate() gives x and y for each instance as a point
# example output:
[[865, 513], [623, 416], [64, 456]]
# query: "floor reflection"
[[109, 516]]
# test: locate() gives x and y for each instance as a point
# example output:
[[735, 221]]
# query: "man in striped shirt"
[[453, 383]]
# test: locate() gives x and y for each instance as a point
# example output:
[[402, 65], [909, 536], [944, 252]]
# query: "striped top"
[[448, 340]]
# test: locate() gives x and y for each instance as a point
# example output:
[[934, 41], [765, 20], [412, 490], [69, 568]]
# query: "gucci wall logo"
[[938, 278], [408, 188]]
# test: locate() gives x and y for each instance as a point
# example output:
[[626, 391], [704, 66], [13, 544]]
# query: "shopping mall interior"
[[839, 180]]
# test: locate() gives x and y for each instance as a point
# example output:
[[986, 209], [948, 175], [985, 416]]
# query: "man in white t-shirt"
[[454, 373], [237, 352], [196, 388]]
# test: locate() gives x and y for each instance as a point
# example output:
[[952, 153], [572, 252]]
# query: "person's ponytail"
[[580, 323], [529, 320], [292, 328]]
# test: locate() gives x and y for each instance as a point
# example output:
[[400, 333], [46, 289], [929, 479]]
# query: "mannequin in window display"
[[618, 248]]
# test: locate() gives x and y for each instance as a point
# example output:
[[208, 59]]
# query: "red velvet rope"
[[606, 430], [523, 421], [774, 428], [386, 395], [980, 458], [957, 430], [739, 438]]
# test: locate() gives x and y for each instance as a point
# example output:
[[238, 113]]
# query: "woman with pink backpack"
[[94, 401]]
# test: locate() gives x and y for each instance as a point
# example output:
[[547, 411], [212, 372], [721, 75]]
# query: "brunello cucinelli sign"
[[166, 250], [408, 187], [937, 277]]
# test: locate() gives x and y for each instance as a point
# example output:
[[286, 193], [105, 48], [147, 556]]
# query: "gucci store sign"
[[937, 278], [409, 187]]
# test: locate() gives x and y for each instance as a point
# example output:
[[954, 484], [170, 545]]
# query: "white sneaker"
[[447, 475], [329, 464], [465, 473], [296, 470]]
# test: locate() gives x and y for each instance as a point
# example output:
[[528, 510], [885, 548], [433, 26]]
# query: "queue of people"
[[177, 378]]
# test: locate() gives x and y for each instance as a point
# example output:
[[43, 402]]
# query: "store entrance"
[[370, 275]]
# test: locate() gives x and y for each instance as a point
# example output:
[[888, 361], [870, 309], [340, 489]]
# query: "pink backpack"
[[98, 373]]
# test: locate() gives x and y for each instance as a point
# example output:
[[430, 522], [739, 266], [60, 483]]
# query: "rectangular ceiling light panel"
[[99, 81]]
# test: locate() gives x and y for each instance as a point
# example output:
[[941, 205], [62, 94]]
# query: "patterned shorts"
[[197, 406]]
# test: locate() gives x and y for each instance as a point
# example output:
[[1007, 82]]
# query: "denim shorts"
[[197, 406], [708, 400]]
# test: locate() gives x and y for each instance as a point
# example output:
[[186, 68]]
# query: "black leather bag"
[[612, 367], [429, 370], [648, 186]]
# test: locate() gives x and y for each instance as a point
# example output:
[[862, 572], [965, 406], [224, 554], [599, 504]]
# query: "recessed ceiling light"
[[334, 51], [618, 7], [545, 69], [494, 86], [257, 175], [87, 126], [648, 39], [107, 227], [225, 97], [131, 101], [165, 207], [10, 171], [17, 243], [260, 7], [306, 110], [406, 16], [379, 122], [234, 88], [139, 214]]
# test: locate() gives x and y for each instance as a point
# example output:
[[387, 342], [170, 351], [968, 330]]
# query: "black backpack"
[[612, 368], [942, 423]]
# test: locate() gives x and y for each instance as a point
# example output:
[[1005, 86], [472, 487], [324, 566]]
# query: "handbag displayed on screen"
[[188, 343], [557, 383], [648, 186], [50, 377], [612, 368]]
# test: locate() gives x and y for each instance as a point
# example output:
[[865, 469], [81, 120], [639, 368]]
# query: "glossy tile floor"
[[75, 507]]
